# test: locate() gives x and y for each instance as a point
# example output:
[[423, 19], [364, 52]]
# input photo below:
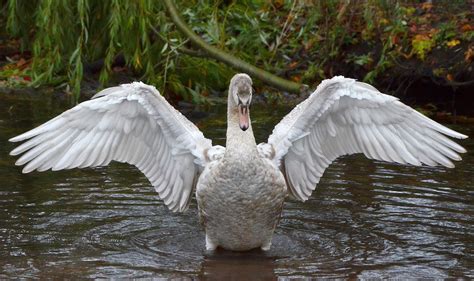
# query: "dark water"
[[366, 219]]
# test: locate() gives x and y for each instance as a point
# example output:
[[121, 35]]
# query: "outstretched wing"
[[344, 116], [130, 123]]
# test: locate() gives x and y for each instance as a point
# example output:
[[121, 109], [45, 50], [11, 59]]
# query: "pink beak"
[[244, 121]]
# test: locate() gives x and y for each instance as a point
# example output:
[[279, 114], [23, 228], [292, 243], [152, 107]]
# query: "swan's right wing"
[[344, 116], [131, 123]]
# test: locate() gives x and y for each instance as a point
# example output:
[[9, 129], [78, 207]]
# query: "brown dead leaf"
[[293, 64], [427, 6], [469, 54], [21, 62], [384, 21], [296, 78], [467, 27], [395, 40], [278, 3], [432, 32]]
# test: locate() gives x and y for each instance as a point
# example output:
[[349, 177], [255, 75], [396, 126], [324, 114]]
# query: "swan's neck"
[[241, 143]]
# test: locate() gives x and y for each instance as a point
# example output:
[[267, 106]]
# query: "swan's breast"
[[240, 203]]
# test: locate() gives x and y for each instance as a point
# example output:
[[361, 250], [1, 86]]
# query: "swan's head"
[[240, 91]]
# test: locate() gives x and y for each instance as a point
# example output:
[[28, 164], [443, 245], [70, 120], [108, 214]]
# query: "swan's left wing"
[[130, 123], [344, 116]]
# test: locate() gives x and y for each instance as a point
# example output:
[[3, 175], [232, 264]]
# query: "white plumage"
[[344, 116], [133, 123]]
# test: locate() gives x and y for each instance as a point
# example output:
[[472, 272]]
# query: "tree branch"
[[229, 59], [191, 52]]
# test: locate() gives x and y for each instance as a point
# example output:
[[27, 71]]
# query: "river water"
[[366, 219]]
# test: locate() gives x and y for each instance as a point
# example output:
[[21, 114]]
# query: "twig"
[[180, 47], [285, 25], [191, 52], [452, 83], [165, 76], [343, 10]]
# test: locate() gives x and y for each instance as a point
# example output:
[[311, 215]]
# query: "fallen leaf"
[[21, 62], [384, 21], [427, 6], [422, 44], [278, 3], [293, 64], [439, 72], [432, 32], [395, 40], [296, 78], [453, 43], [467, 27], [469, 54]]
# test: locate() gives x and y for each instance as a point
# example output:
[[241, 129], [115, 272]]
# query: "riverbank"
[[421, 53]]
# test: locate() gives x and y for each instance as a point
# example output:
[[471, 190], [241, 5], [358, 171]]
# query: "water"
[[366, 219]]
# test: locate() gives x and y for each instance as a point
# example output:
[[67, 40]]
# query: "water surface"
[[365, 219]]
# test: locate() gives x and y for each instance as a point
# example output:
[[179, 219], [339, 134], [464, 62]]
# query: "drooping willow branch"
[[229, 59]]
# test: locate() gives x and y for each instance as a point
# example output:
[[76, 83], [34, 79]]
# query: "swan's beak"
[[244, 121]]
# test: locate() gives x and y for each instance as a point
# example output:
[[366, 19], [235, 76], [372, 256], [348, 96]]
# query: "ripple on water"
[[366, 219]]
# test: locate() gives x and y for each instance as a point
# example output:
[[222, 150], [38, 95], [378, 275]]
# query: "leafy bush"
[[293, 39]]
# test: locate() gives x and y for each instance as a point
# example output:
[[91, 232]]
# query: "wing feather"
[[344, 116], [130, 123]]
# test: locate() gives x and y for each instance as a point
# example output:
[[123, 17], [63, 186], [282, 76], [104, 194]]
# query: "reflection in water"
[[226, 265], [366, 219]]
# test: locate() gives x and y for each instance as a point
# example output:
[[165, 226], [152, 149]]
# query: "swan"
[[240, 189]]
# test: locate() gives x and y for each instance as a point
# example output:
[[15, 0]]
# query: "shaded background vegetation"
[[64, 43]]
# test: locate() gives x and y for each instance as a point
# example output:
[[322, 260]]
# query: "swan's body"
[[240, 200], [240, 197], [240, 189]]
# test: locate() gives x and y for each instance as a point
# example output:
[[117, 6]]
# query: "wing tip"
[[462, 136], [16, 139], [27, 170], [450, 165], [452, 133]]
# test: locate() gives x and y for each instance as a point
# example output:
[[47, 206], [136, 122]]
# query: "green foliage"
[[422, 44], [64, 35], [294, 39], [361, 60]]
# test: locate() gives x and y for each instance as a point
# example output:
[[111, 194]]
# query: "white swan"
[[240, 189]]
